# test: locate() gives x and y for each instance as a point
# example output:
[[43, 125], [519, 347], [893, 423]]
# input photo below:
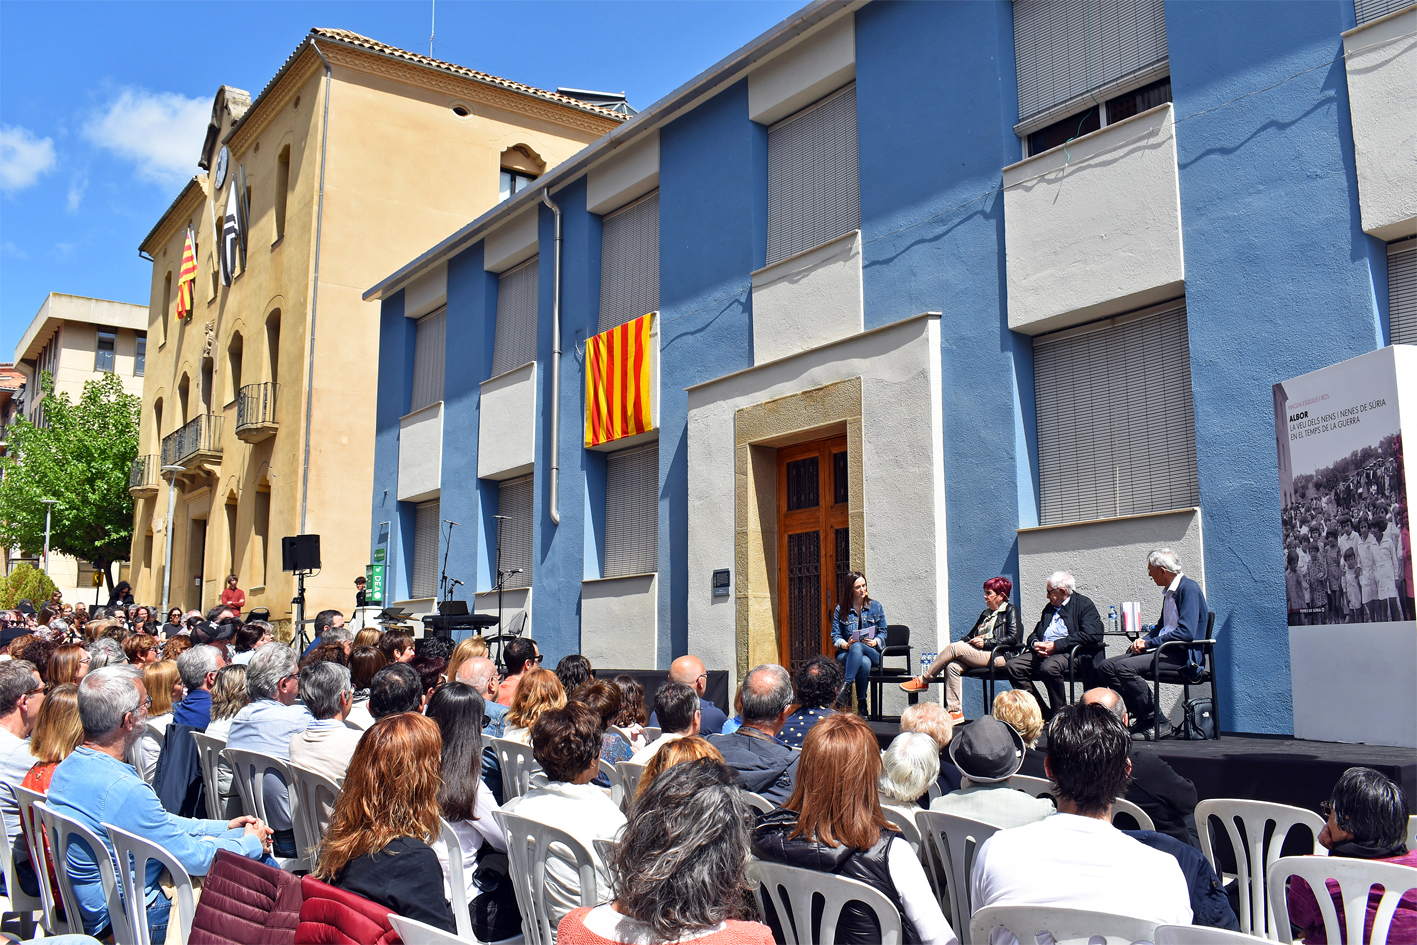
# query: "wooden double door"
[[813, 545]]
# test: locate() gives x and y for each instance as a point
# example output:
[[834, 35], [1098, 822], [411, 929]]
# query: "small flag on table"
[[619, 382], [186, 277]]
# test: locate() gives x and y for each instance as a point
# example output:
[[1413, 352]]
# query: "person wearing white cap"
[[987, 753]]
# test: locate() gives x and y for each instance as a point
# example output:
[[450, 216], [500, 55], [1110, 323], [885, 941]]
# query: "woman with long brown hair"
[[833, 823], [858, 634], [379, 841], [538, 691], [67, 664], [165, 689]]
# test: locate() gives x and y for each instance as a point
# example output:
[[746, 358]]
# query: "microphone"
[[456, 582], [515, 571], [448, 521], [502, 516]]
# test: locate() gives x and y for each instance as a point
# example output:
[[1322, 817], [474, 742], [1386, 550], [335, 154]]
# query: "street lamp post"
[[171, 477], [48, 508]]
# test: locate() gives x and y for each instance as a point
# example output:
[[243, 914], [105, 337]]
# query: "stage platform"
[[1264, 767]]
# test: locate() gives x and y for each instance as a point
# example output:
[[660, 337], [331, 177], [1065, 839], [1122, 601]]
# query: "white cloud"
[[76, 192], [160, 132], [23, 157]]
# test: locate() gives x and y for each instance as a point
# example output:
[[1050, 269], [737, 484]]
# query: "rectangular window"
[[814, 194], [516, 318], [261, 528], [1370, 10], [629, 262], [429, 359], [103, 357], [1402, 292], [512, 182], [426, 532], [514, 500], [1109, 112], [1115, 431], [140, 359], [632, 511], [282, 188], [1068, 52]]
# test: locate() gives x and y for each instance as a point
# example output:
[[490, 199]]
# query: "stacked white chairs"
[[792, 891], [209, 750], [61, 831], [529, 845], [630, 774], [20, 903], [1253, 855], [133, 855], [1202, 935], [312, 804], [518, 767], [1067, 926], [1123, 806], [1355, 879], [951, 844], [249, 772], [39, 857]]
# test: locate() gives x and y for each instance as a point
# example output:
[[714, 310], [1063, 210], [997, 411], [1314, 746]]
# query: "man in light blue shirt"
[[95, 785], [274, 716]]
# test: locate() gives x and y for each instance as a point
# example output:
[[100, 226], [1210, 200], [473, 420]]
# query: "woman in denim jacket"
[[859, 634]]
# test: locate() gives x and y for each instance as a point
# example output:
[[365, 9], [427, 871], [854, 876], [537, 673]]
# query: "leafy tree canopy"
[[81, 458]]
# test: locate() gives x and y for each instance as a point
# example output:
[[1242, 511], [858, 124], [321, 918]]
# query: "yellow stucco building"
[[259, 407]]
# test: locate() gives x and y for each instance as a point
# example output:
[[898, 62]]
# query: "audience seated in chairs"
[[833, 823], [566, 743], [1367, 819], [521, 656], [676, 706], [538, 692], [988, 753], [766, 765], [21, 700], [690, 671], [930, 718], [164, 688], [1076, 859], [604, 698], [679, 872], [632, 717], [574, 671], [818, 681], [464, 651], [95, 785], [379, 844], [908, 768], [328, 744], [676, 752], [1018, 709]]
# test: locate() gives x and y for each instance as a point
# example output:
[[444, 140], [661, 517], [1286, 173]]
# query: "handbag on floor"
[[1199, 721]]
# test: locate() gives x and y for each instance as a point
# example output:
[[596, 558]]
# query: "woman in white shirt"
[[538, 691], [164, 689]]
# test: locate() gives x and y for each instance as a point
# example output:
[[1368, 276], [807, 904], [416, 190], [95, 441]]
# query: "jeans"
[[860, 659], [283, 843], [158, 912]]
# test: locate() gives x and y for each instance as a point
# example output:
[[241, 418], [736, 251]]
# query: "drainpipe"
[[314, 294], [555, 367], [172, 471]]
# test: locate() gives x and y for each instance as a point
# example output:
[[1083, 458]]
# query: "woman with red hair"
[[998, 625]]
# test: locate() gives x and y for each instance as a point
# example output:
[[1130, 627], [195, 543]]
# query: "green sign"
[[374, 577], [379, 555]]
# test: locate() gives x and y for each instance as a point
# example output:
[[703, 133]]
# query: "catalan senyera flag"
[[619, 378], [186, 277]]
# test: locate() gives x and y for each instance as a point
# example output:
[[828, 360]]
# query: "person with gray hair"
[[908, 768], [274, 716], [766, 765], [106, 651], [1184, 616], [21, 698], [96, 786], [1068, 636], [198, 668], [481, 674], [340, 635], [328, 744]]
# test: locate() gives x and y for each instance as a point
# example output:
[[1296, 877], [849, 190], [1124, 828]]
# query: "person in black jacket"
[[998, 625], [766, 765], [1070, 620]]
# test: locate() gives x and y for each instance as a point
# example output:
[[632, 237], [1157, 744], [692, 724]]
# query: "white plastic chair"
[[209, 750], [312, 805], [1355, 879], [1253, 856], [760, 803], [630, 774], [1123, 806], [651, 733], [1068, 926], [1034, 787], [951, 844], [18, 902], [457, 886], [133, 855], [791, 890], [413, 932], [904, 818], [529, 845], [1412, 832], [62, 831], [605, 849], [518, 766], [249, 774], [617, 787], [1203, 935], [39, 857]]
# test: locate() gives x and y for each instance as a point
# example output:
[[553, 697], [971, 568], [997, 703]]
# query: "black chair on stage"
[[988, 674], [1184, 678], [897, 644], [1089, 678]]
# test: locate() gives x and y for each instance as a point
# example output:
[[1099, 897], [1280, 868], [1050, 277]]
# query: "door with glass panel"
[[813, 545]]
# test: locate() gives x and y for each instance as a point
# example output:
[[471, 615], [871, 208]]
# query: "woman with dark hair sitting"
[[249, 638], [998, 625], [574, 671], [633, 716], [833, 823], [604, 698], [859, 635], [679, 872], [1367, 819]]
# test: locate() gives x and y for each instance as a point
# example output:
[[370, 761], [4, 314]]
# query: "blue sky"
[[103, 105]]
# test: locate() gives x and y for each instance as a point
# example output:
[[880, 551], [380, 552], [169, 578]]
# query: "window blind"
[[426, 526], [1402, 292], [629, 262], [814, 194], [428, 359], [516, 318], [1369, 10], [514, 500], [1116, 435], [632, 511], [1065, 48]]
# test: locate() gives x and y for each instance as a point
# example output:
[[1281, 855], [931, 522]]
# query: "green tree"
[[25, 583], [81, 458]]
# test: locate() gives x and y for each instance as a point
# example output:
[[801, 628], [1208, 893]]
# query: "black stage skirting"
[[716, 689]]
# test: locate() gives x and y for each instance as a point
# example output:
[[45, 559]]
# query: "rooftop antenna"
[[432, 27]]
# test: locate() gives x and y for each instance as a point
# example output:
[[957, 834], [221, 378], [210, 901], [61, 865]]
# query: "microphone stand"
[[444, 588]]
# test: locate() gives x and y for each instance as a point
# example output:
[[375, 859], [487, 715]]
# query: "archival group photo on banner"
[[1343, 485]]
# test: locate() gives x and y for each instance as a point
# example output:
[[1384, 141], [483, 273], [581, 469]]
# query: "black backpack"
[[1199, 721]]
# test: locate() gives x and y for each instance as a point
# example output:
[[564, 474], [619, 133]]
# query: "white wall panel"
[[506, 436], [1382, 99], [421, 453], [620, 622], [803, 73], [631, 172], [808, 300], [511, 243]]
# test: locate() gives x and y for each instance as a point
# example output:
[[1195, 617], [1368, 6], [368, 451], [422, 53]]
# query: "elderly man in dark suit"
[[1068, 620], [1183, 617]]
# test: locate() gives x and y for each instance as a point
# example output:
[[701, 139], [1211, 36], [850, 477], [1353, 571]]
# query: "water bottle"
[[1112, 620], [925, 661]]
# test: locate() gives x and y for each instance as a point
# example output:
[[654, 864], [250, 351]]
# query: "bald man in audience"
[[690, 671], [481, 674]]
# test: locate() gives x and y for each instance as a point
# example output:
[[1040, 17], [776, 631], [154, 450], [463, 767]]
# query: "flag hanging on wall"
[[230, 237], [187, 277], [619, 382]]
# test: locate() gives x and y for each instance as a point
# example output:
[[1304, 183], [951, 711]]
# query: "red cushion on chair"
[[245, 903], [331, 916]]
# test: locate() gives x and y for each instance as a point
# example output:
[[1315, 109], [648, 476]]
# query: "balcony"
[[196, 444], [143, 477], [256, 412]]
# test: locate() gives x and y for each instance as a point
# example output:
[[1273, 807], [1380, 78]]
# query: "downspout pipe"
[[314, 296], [555, 365]]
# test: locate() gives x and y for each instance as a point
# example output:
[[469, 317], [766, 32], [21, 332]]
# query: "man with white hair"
[[1070, 620], [1183, 617], [481, 674], [198, 668], [765, 765]]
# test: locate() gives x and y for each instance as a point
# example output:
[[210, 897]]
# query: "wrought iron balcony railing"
[[256, 411], [199, 438]]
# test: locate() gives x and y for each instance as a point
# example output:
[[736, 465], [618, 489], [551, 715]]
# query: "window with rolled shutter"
[[514, 500], [429, 355], [632, 511], [426, 526], [1116, 435], [629, 262], [1402, 292], [1066, 51], [814, 194], [516, 318], [1370, 10]]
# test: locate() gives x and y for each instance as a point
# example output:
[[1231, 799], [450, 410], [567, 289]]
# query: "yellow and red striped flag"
[[619, 378], [186, 277]]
